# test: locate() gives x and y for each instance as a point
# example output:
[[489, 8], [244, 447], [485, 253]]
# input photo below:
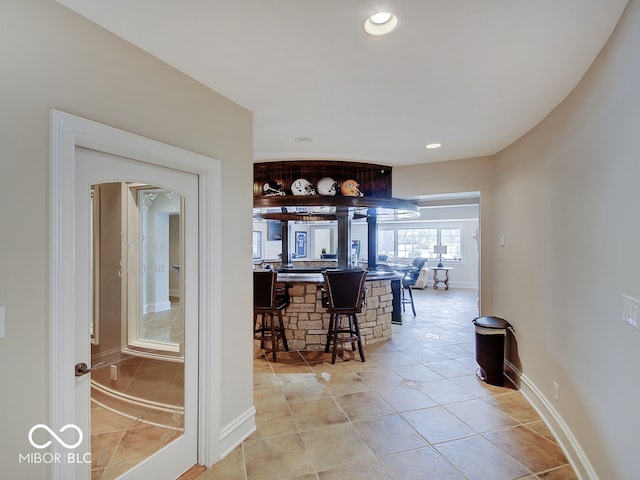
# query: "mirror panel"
[[152, 249], [138, 324]]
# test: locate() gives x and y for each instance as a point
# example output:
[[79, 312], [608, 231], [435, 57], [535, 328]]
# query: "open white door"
[[86, 154], [154, 417]]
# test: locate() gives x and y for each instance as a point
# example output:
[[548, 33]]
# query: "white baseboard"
[[456, 284], [560, 430], [234, 433], [157, 307], [112, 355]]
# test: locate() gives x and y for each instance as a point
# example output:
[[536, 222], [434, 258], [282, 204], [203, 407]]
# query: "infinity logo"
[[53, 434]]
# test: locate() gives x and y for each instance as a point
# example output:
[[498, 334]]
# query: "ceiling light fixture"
[[303, 139], [381, 23], [432, 145], [380, 18]]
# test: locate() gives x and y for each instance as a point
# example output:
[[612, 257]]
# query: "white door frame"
[[66, 133]]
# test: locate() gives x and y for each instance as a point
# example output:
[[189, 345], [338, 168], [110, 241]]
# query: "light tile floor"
[[414, 410], [119, 442]]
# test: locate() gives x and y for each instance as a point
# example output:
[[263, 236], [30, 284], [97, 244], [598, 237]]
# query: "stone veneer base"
[[306, 321]]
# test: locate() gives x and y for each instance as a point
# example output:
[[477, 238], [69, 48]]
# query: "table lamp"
[[440, 249]]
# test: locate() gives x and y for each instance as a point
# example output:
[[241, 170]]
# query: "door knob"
[[83, 368]]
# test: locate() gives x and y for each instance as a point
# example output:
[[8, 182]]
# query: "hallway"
[[414, 410]]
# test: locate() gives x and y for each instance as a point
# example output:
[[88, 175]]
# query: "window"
[[451, 237], [416, 242], [387, 242], [419, 242]]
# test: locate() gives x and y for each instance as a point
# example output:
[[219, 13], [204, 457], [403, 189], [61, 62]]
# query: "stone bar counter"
[[306, 320]]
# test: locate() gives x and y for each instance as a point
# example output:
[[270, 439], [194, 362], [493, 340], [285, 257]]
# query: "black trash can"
[[490, 335]]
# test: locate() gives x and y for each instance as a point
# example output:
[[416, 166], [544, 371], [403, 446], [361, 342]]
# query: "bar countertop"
[[294, 277]]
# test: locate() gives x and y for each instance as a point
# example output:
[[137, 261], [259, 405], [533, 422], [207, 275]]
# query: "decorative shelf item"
[[285, 190], [371, 180]]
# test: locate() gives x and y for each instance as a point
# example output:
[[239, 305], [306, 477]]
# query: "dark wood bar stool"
[[344, 299], [409, 280], [269, 303]]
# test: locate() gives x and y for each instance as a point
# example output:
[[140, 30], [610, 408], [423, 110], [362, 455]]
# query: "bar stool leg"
[[274, 337], [357, 330], [284, 337], [261, 330], [351, 332], [413, 307], [334, 335], [329, 334]]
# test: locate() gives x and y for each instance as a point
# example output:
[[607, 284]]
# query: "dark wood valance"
[[374, 180]]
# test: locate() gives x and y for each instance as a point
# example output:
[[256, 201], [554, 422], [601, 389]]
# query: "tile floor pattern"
[[414, 410], [119, 442]]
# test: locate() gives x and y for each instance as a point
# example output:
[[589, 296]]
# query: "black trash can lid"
[[491, 322]]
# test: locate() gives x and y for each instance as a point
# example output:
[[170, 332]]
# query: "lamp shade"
[[440, 249]]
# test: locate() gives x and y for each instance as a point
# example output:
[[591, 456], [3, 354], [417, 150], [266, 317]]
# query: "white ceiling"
[[474, 75]]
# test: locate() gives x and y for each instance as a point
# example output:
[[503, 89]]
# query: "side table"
[[437, 280]]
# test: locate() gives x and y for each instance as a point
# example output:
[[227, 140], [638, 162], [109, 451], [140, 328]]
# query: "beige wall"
[[53, 58], [468, 175], [567, 199]]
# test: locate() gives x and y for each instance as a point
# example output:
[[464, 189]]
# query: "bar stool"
[[344, 297], [409, 280], [268, 302]]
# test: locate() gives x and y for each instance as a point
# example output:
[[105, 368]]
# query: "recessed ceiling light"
[[381, 23], [380, 18], [303, 139], [433, 145]]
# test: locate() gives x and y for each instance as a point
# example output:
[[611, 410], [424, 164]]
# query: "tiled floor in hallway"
[[414, 410]]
